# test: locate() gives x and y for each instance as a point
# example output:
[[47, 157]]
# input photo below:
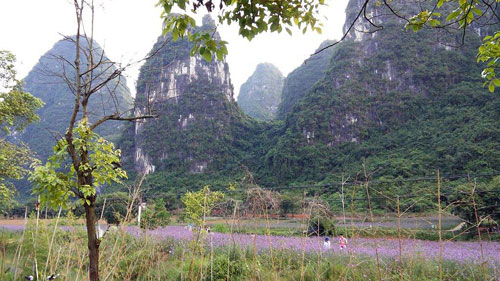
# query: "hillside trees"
[[477, 203], [83, 162], [17, 110], [452, 16]]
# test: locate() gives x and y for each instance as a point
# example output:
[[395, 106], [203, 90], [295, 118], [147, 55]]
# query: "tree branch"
[[361, 11], [118, 117]]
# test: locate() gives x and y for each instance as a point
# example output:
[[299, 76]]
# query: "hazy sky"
[[127, 30]]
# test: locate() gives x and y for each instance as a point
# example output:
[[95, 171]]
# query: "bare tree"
[[91, 160]]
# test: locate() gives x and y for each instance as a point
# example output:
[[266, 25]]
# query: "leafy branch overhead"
[[17, 110], [463, 14], [252, 17]]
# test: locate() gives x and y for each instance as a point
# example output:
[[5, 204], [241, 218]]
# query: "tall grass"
[[127, 253], [145, 258]]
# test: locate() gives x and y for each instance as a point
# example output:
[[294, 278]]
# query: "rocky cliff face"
[[299, 81], [399, 101], [377, 88], [196, 108], [373, 74], [46, 82], [260, 95]]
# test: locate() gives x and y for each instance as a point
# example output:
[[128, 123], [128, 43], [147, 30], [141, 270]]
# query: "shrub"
[[156, 215], [321, 226], [115, 209]]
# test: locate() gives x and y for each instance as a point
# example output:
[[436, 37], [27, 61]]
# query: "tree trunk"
[[93, 242]]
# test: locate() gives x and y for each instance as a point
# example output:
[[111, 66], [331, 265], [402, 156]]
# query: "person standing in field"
[[342, 242], [326, 244]]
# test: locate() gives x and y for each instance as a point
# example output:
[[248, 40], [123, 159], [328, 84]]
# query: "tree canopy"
[[17, 110], [252, 17]]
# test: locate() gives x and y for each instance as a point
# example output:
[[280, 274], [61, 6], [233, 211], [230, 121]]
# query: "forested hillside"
[[303, 77], [402, 104], [200, 131], [405, 104], [47, 81]]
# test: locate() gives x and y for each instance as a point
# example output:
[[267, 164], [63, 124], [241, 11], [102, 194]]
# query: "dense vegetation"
[[407, 109], [17, 110], [401, 103], [198, 117]]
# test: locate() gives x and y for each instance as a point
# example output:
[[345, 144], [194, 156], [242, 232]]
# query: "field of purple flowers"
[[458, 251], [177, 253], [467, 252]]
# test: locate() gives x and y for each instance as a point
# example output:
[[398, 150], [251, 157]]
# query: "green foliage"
[[57, 180], [489, 53], [253, 18], [12, 160], [289, 204], [223, 263], [155, 215], [464, 14], [17, 110], [485, 196], [320, 225], [199, 204], [116, 206]]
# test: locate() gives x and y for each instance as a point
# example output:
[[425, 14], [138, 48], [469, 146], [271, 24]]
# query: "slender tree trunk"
[[93, 242]]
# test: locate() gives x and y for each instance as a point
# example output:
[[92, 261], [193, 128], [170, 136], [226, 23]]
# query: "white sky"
[[127, 30]]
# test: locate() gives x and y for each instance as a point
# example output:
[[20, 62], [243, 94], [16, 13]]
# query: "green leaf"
[[491, 87], [453, 15], [207, 55], [434, 23]]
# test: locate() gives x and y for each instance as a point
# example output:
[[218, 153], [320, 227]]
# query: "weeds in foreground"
[[127, 253], [146, 258]]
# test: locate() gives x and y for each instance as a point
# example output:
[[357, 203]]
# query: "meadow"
[[178, 252]]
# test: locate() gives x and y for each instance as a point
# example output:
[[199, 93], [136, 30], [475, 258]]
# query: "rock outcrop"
[[260, 95], [299, 81], [46, 81], [194, 101]]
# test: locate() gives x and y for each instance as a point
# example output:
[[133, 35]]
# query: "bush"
[[115, 209], [236, 267], [289, 205], [321, 226], [221, 227], [156, 215]]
